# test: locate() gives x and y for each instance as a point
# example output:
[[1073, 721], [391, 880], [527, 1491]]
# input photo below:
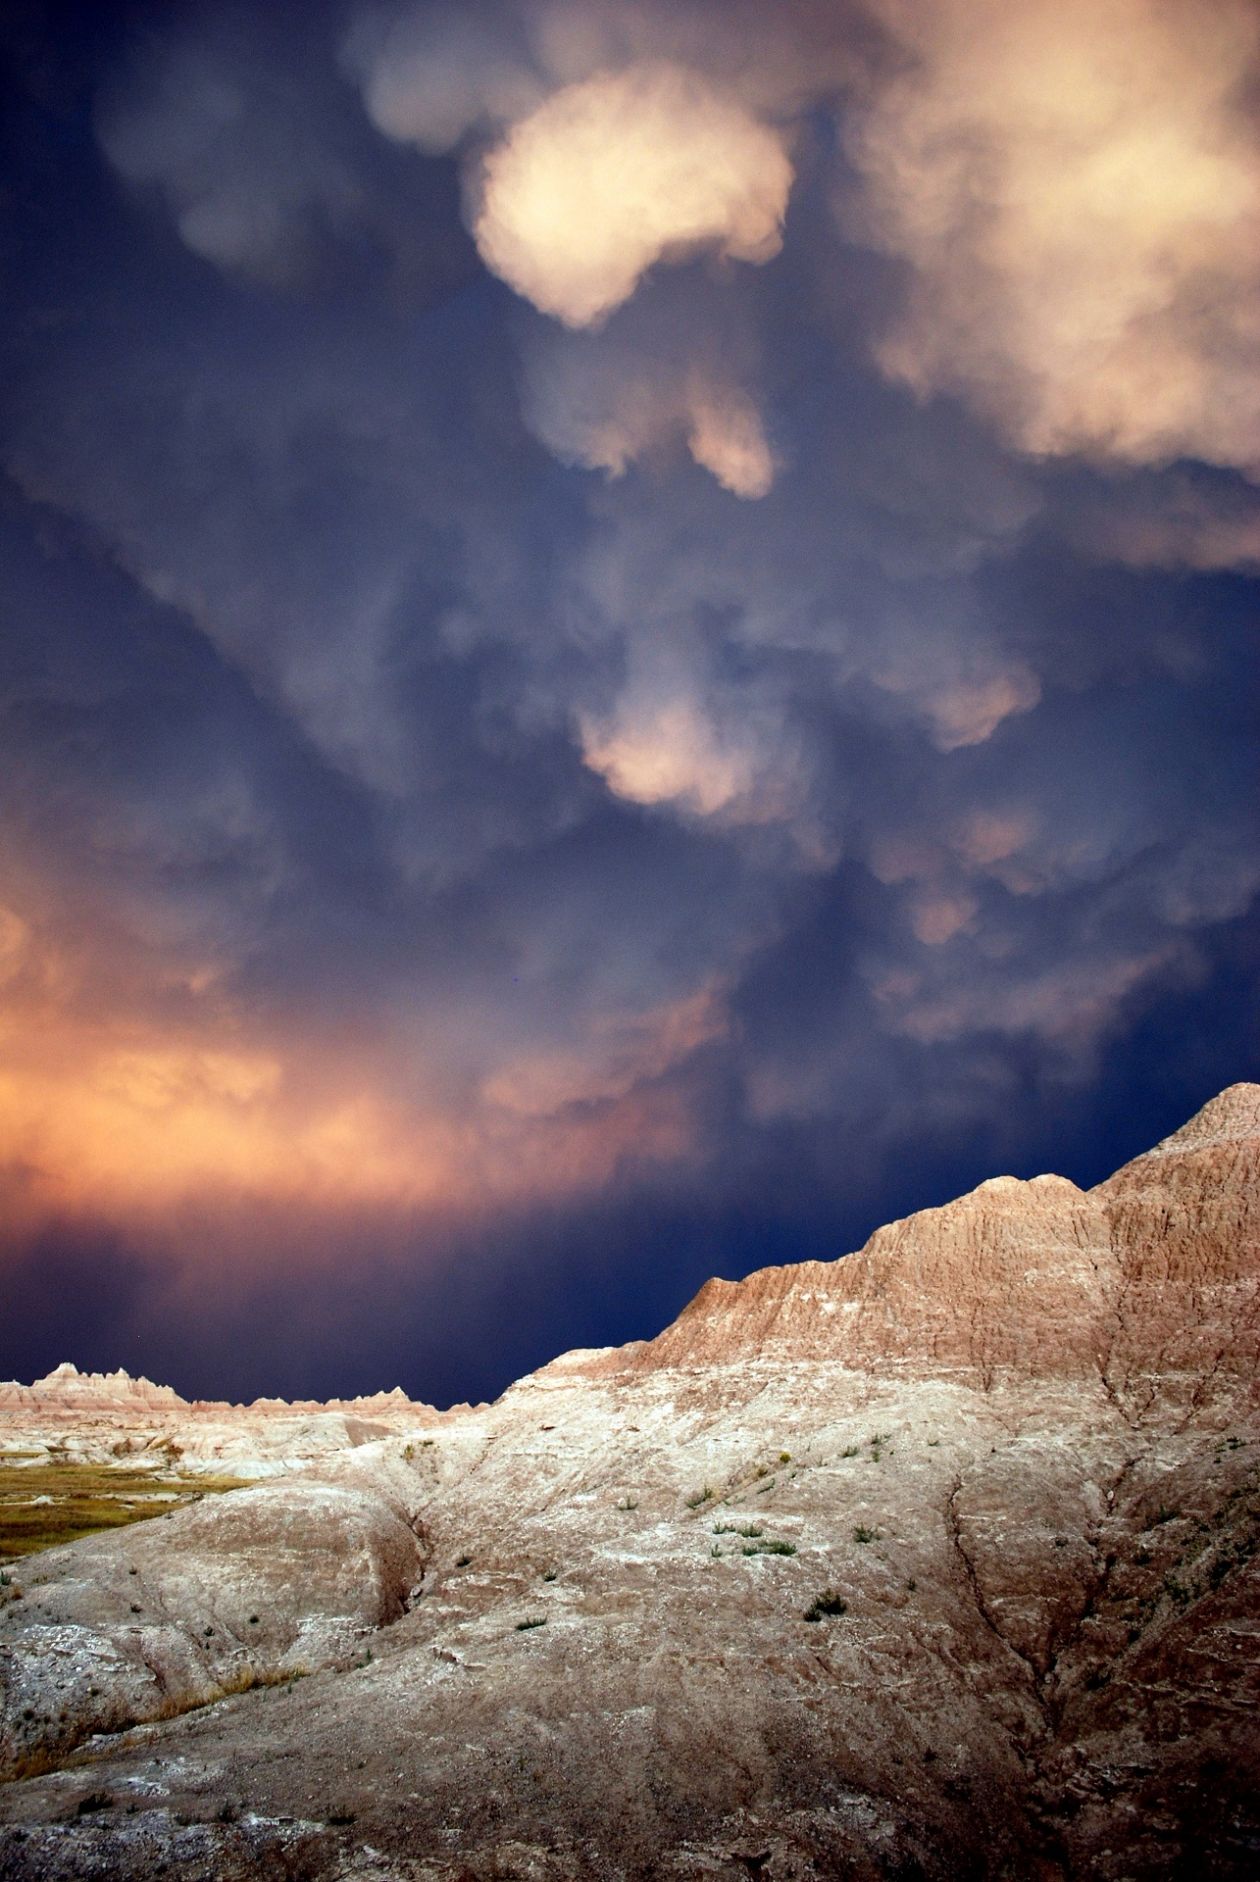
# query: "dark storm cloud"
[[502, 802]]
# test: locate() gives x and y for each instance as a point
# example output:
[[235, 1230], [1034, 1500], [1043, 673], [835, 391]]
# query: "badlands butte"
[[935, 1561]]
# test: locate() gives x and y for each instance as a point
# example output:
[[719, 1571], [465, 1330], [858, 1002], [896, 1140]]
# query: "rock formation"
[[95, 1417], [938, 1561]]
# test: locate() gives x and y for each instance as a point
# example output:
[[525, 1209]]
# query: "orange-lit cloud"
[[1076, 187], [667, 751], [609, 176], [964, 709], [107, 1111], [622, 1052]]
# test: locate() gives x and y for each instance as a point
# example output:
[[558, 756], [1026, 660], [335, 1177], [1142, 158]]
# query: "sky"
[[627, 647]]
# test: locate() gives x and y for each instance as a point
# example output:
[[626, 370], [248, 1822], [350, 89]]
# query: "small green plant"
[[409, 1451], [698, 1497], [536, 1620], [826, 1604], [773, 1547], [850, 1450], [862, 1534], [715, 1550], [785, 1457], [737, 1529], [911, 1585], [5, 1579]]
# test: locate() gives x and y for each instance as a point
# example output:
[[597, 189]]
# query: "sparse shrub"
[[826, 1604], [911, 1585], [850, 1450], [785, 1457], [738, 1529], [536, 1620], [1060, 1542], [774, 1547], [549, 1574], [862, 1534], [704, 1495]]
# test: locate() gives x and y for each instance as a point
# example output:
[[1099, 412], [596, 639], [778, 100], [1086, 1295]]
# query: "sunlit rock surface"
[[938, 1561]]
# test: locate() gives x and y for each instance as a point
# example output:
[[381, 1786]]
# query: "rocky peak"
[[1149, 1276]]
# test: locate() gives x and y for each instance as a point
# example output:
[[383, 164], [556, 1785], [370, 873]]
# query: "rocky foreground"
[[937, 1561]]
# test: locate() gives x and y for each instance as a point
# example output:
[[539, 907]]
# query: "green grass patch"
[[85, 1498]]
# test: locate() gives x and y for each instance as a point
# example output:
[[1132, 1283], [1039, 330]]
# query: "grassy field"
[[84, 1497]]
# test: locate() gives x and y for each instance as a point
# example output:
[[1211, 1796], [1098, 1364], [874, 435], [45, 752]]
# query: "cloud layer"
[[747, 729]]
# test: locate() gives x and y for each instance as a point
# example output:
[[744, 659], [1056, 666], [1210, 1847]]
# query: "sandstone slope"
[[1013, 1444]]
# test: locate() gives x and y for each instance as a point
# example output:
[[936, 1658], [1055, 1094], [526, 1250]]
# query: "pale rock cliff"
[[940, 1562]]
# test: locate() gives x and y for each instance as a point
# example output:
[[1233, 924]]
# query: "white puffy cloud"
[[1076, 187], [618, 172]]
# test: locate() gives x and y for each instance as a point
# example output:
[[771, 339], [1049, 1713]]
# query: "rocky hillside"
[[938, 1561], [104, 1417]]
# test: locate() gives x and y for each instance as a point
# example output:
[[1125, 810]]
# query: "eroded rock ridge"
[[937, 1561]]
